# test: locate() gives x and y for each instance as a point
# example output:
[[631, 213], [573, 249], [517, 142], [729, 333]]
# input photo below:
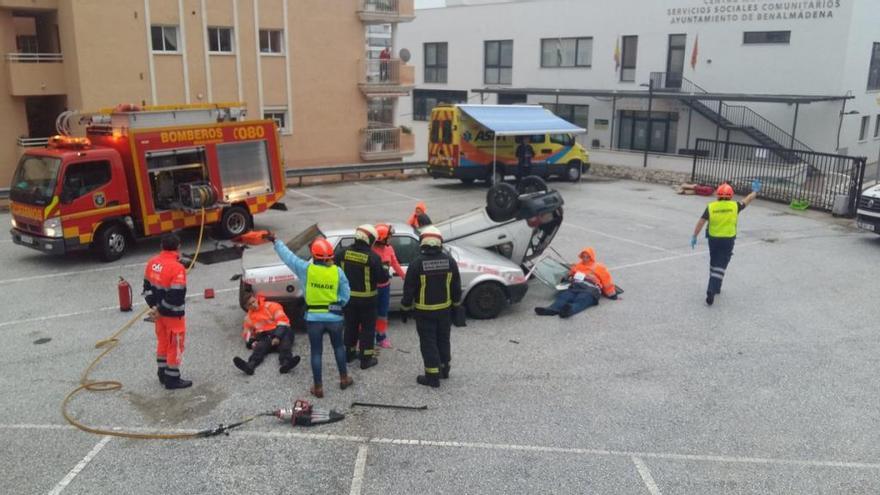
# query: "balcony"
[[385, 11], [386, 143], [31, 142], [36, 74], [388, 77], [29, 4]]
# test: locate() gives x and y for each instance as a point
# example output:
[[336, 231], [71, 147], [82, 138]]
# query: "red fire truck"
[[142, 172]]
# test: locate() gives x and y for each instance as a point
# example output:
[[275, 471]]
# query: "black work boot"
[[444, 370], [288, 364], [161, 375], [368, 360], [545, 311], [710, 297], [173, 380], [429, 380], [243, 365]]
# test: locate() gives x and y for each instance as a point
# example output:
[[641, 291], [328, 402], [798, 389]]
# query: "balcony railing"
[[386, 143], [35, 57], [373, 11], [38, 142], [386, 76]]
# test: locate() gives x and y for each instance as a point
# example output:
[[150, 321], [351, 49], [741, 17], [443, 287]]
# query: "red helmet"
[[384, 232], [322, 250], [724, 191]]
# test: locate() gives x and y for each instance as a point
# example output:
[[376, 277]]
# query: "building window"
[[877, 127], [26, 43], [164, 38], [766, 37], [424, 100], [874, 70], [271, 41], [498, 62], [567, 52], [628, 59], [279, 115], [578, 115], [634, 131], [863, 131], [380, 112], [435, 62], [220, 40]]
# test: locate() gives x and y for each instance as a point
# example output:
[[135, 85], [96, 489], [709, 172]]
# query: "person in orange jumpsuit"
[[266, 328], [383, 248], [420, 217], [588, 282], [165, 293]]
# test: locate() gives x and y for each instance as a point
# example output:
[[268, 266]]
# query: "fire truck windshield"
[[35, 179]]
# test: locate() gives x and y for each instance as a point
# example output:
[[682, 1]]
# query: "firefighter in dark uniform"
[[364, 271], [432, 290], [721, 217]]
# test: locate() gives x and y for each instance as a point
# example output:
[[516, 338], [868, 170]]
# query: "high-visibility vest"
[[322, 287], [722, 218]]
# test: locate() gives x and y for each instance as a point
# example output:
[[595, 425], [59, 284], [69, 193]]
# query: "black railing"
[[819, 179]]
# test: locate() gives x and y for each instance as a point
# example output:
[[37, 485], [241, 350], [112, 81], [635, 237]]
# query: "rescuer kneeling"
[[266, 328]]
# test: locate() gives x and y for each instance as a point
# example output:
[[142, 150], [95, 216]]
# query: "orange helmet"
[[384, 232], [322, 250], [724, 191]]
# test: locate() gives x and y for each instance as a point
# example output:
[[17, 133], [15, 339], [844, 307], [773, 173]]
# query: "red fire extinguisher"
[[125, 295]]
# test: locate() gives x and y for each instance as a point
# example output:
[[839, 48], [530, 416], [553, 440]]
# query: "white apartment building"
[[799, 73]]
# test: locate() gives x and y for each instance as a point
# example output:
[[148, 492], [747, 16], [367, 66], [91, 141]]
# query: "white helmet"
[[430, 236], [366, 233]]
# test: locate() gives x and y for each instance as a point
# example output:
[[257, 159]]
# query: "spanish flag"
[[617, 55], [695, 51]]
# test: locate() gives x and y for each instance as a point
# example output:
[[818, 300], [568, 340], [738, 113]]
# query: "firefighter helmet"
[[366, 233], [322, 250], [430, 236], [384, 232]]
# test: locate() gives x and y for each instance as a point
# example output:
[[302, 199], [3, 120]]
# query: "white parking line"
[[723, 459], [360, 466], [79, 467], [65, 274], [672, 258], [645, 473], [315, 198], [387, 191], [623, 239], [96, 310]]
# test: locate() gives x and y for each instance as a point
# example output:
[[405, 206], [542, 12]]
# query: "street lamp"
[[650, 87]]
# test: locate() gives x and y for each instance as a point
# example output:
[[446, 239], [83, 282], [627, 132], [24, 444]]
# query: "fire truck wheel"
[[235, 222], [111, 242]]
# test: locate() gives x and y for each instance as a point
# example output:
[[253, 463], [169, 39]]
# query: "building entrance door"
[[675, 60]]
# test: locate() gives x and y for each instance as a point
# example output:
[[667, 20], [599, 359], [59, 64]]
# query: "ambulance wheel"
[[235, 221], [485, 301], [502, 202], [110, 242], [532, 184], [573, 173]]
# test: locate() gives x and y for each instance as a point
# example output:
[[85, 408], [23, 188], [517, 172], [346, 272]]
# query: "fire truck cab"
[[142, 172]]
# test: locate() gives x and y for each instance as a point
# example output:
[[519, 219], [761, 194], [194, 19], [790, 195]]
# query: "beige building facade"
[[301, 62]]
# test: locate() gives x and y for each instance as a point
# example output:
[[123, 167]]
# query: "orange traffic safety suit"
[[265, 329], [594, 272], [165, 290], [418, 220]]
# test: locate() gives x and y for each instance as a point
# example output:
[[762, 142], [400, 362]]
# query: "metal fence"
[[824, 181]]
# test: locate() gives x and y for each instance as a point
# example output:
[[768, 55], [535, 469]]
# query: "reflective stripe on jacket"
[[363, 269], [723, 215], [321, 288], [165, 284], [432, 282]]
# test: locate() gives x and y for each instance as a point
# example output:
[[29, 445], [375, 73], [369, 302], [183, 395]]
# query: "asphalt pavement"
[[771, 390]]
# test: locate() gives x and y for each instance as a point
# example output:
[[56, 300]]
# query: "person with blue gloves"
[[326, 291], [721, 217]]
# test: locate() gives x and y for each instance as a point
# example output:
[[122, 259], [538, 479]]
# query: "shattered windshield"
[[550, 268], [301, 242], [35, 179]]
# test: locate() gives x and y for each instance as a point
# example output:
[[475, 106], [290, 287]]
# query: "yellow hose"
[[108, 345]]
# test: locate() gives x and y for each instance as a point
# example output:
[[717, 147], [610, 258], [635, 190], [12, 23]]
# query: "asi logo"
[[99, 199], [467, 136]]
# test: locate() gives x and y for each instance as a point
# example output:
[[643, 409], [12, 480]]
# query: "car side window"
[[563, 139], [536, 139], [83, 178], [406, 248]]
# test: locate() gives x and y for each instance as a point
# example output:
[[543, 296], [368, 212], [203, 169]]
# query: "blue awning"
[[519, 120]]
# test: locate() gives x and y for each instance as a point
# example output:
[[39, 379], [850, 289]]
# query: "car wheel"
[[502, 202], [532, 184], [111, 242], [573, 173], [485, 301], [234, 222]]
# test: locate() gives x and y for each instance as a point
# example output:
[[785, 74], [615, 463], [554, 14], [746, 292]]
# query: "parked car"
[[489, 281]]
